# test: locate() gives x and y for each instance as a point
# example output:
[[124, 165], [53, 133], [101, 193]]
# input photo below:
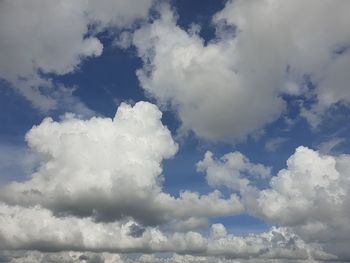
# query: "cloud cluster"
[[233, 85], [98, 188], [310, 196], [97, 183], [109, 169], [233, 170], [40, 36]]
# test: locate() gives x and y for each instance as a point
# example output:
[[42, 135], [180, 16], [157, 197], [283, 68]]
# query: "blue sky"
[[265, 92]]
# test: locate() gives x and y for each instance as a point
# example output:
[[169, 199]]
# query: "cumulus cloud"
[[98, 189], [313, 47], [110, 169], [83, 234], [212, 95], [233, 85], [37, 228], [39, 36], [310, 197], [98, 184], [233, 170]]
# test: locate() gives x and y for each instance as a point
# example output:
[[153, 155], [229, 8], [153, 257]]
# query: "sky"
[[174, 131]]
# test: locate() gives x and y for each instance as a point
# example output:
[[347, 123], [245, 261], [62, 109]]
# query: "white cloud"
[[233, 170], [36, 228], [278, 243], [206, 84], [98, 188], [232, 86], [310, 197], [301, 36], [110, 169], [83, 234], [51, 36]]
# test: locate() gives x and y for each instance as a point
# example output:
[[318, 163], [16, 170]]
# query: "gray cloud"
[[55, 41], [232, 86]]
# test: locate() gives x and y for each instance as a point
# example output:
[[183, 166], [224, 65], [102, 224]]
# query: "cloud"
[[273, 144], [312, 48], [328, 147], [310, 197], [110, 169], [212, 95], [39, 36], [98, 189], [38, 229], [233, 170], [234, 85]]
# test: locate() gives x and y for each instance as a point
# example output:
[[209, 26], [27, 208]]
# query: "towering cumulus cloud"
[[109, 169]]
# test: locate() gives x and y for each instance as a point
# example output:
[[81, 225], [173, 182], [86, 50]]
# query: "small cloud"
[[273, 144], [124, 40], [329, 146]]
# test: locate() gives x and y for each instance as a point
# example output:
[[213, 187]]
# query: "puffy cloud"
[[40, 36], [278, 243], [204, 83], [233, 170], [37, 228], [110, 169], [84, 234], [310, 197], [98, 188], [314, 46], [233, 85]]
